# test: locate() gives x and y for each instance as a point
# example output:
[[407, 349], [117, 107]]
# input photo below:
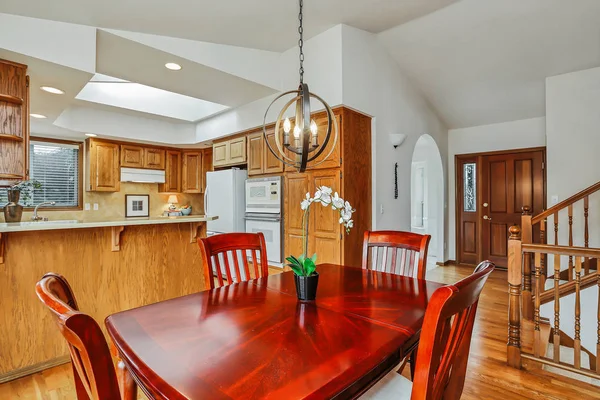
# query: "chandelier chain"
[[301, 42]]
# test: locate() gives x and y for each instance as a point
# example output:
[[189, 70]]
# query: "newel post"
[[514, 292], [527, 237]]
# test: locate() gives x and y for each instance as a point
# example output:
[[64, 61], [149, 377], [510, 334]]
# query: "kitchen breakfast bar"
[[112, 265]]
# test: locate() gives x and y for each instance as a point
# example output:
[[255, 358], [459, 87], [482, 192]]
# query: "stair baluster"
[[570, 211], [577, 339], [536, 311], [586, 234], [556, 337], [598, 329]]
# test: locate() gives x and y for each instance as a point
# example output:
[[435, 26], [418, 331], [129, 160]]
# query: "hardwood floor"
[[488, 377]]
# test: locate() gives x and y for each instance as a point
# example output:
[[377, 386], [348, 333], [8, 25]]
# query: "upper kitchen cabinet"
[[103, 166], [154, 158], [207, 164], [334, 146], [172, 173], [229, 152], [132, 156], [192, 176], [260, 159], [14, 122]]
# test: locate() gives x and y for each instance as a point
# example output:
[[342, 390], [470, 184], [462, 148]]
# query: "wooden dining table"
[[255, 340]]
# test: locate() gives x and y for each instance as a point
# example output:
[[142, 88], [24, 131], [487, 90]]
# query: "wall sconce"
[[396, 139]]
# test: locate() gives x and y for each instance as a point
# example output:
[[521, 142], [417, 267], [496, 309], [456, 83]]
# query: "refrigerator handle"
[[206, 201]]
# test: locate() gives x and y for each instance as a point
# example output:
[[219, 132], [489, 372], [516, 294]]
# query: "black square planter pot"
[[306, 286]]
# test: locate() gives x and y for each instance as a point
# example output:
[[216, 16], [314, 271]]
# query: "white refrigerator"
[[225, 198]]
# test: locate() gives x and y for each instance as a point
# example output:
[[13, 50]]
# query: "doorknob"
[[487, 218]]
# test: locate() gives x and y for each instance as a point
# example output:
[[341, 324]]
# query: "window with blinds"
[[56, 167]]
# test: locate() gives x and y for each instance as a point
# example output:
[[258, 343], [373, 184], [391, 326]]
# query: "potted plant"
[[304, 267], [13, 211]]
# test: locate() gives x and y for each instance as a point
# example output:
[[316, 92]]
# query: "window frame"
[[79, 207]]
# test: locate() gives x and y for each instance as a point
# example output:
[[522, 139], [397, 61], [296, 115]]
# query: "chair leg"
[[126, 383], [413, 362]]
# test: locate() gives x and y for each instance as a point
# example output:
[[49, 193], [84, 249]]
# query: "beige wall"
[[112, 205]]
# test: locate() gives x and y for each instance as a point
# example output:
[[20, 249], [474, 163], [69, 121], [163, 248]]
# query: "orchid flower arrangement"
[[304, 266]]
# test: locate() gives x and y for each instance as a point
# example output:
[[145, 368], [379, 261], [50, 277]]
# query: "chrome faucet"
[[35, 211]]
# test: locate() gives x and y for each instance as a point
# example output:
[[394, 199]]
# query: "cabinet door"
[[192, 172], [104, 167], [325, 228], [271, 164], [172, 173], [220, 154], [256, 146], [296, 186], [154, 158], [335, 146], [237, 151], [132, 156]]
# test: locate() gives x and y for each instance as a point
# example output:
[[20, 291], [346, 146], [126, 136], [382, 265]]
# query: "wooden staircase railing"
[[521, 313], [529, 268]]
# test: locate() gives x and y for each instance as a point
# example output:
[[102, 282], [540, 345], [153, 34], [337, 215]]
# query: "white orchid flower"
[[337, 202], [326, 190], [345, 215], [304, 205], [318, 195], [350, 224]]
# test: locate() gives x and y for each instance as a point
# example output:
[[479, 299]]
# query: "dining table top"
[[254, 339]]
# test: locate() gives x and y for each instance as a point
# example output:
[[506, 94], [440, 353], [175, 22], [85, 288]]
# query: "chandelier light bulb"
[[297, 131], [313, 127], [287, 125]]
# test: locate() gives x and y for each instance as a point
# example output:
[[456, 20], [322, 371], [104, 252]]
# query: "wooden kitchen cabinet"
[[14, 122], [132, 156], [192, 180], [154, 158], [229, 152], [103, 166], [260, 159], [172, 173], [207, 165], [350, 178]]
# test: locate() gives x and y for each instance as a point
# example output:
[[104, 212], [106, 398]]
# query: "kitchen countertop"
[[98, 223]]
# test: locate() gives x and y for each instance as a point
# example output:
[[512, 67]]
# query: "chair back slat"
[[446, 337], [93, 371], [403, 253], [227, 254]]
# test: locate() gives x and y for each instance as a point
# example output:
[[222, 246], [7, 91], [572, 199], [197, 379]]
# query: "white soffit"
[[116, 92], [136, 62]]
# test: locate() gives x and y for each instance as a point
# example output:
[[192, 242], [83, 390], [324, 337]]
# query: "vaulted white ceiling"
[[263, 24], [485, 61]]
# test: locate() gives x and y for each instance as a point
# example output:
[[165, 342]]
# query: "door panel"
[[132, 156], [509, 182], [326, 228], [296, 187], [272, 165], [255, 154]]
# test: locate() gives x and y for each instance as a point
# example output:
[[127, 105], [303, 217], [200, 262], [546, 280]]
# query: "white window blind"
[[56, 167]]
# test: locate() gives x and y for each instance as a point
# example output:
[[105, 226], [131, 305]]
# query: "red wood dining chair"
[[93, 371], [444, 347], [225, 257], [401, 253]]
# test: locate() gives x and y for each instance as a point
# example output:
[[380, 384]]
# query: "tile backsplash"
[[112, 204]]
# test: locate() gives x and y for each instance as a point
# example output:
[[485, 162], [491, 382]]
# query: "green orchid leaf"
[[297, 270], [309, 267], [294, 260], [302, 258], [314, 258]]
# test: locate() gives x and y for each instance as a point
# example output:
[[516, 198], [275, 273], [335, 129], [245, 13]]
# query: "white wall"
[[374, 84], [323, 73], [573, 137], [504, 136]]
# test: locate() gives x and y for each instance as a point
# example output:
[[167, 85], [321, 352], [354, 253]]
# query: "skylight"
[[103, 89]]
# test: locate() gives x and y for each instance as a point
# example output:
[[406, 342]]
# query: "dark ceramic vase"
[[306, 286], [13, 211]]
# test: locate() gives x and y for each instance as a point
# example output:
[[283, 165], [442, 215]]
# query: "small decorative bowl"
[[186, 211]]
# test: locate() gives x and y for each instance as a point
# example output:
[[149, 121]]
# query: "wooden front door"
[[492, 190]]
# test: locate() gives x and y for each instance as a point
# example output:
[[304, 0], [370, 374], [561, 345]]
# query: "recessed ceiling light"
[[52, 90], [39, 116], [173, 66], [91, 134]]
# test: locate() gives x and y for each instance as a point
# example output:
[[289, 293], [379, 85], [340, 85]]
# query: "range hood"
[[142, 175]]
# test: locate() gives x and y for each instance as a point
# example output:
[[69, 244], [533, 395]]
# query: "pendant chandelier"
[[298, 145]]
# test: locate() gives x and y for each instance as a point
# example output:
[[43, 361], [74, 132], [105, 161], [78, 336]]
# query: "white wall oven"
[[264, 214]]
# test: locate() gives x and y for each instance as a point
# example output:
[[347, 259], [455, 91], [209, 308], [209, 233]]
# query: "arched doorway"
[[427, 196]]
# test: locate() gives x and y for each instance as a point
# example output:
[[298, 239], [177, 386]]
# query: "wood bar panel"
[[155, 262]]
